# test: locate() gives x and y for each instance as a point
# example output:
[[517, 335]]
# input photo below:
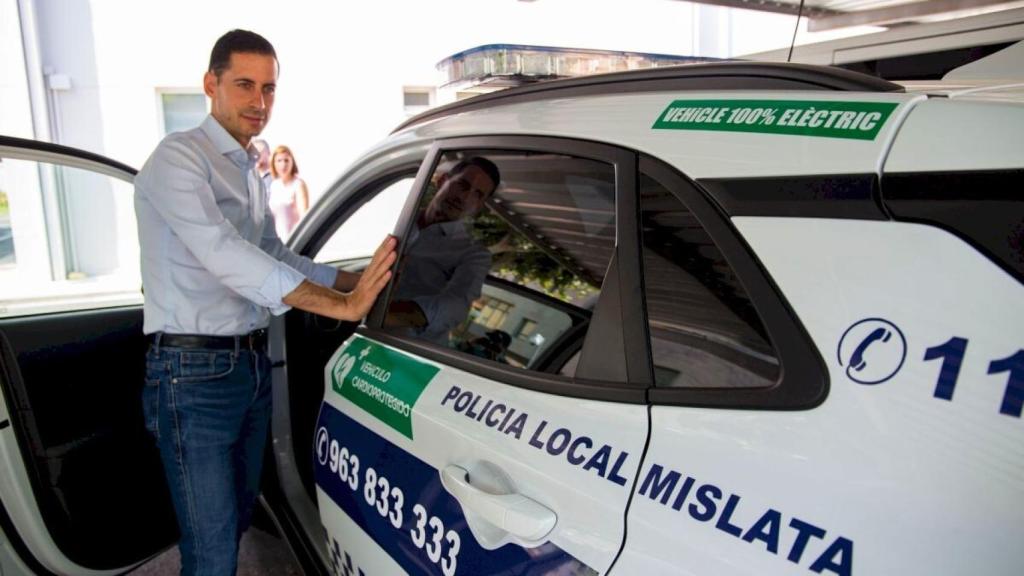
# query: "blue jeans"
[[209, 411]]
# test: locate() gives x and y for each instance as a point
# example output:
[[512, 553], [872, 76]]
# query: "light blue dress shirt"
[[443, 272], [211, 260]]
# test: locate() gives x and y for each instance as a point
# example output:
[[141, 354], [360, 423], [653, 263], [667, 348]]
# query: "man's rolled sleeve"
[[279, 283], [324, 275], [271, 244]]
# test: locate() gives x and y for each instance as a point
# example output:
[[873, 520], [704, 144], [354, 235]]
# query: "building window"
[[417, 99], [181, 111], [526, 330], [492, 312]]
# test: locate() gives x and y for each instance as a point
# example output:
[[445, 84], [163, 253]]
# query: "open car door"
[[82, 490]]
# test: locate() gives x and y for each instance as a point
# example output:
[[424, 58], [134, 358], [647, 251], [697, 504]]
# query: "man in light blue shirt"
[[214, 270], [444, 267]]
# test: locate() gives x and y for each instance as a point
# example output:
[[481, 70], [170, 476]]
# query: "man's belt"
[[255, 340]]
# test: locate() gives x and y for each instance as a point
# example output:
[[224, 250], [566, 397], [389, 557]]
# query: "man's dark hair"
[[482, 163], [237, 41]]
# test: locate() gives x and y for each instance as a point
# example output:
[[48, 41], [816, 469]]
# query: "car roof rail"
[[736, 75]]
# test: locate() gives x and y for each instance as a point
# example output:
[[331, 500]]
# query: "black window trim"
[[953, 200], [47, 152], [631, 388], [504, 374], [847, 196], [803, 382]]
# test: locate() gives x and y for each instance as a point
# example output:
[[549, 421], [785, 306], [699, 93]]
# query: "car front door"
[[82, 490], [508, 440]]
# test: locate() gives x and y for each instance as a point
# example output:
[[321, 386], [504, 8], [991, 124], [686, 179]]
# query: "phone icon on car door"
[[872, 351]]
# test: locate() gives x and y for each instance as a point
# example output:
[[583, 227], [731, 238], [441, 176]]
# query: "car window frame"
[[631, 376], [360, 183], [803, 382]]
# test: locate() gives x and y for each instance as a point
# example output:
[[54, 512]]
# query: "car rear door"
[[82, 490], [853, 402], [512, 446]]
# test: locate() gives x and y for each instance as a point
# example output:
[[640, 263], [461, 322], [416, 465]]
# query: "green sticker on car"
[[821, 118], [383, 382]]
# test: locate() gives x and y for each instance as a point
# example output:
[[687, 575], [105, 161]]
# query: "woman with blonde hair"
[[289, 197]]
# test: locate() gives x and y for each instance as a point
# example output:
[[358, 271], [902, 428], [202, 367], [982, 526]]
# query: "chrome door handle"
[[513, 513]]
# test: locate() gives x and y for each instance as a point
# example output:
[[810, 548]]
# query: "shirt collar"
[[224, 142]]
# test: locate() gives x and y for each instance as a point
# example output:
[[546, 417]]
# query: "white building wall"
[[343, 64], [89, 74], [15, 108]]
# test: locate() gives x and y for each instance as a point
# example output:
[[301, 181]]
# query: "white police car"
[[739, 319]]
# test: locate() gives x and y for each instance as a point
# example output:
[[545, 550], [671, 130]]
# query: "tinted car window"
[[704, 330], [507, 274]]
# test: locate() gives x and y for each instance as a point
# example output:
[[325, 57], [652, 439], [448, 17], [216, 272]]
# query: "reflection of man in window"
[[443, 269]]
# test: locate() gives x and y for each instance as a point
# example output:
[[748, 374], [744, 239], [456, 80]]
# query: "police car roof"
[[723, 76]]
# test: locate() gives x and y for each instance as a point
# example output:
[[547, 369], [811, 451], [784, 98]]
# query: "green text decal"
[[381, 381], [830, 119]]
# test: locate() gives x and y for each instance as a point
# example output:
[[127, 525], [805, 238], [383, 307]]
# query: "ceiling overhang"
[[826, 15]]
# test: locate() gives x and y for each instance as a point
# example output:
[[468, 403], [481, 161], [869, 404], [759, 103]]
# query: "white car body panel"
[[917, 484], [947, 135], [589, 507], [627, 121]]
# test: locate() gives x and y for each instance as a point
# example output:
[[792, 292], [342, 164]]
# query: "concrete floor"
[[260, 554]]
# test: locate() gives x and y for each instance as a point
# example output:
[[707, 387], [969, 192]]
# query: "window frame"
[[175, 91], [629, 367], [803, 383], [411, 110]]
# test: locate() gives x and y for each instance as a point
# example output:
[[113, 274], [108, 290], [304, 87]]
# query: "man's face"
[[460, 195], [242, 97]]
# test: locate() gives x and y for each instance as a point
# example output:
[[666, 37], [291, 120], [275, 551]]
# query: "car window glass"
[[68, 240], [357, 238], [531, 324], [703, 328], [509, 275]]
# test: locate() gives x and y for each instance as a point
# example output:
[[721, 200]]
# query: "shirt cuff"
[[279, 283], [324, 275]]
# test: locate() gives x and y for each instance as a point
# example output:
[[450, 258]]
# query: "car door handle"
[[513, 513]]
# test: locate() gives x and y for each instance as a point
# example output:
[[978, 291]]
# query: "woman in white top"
[[289, 198]]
